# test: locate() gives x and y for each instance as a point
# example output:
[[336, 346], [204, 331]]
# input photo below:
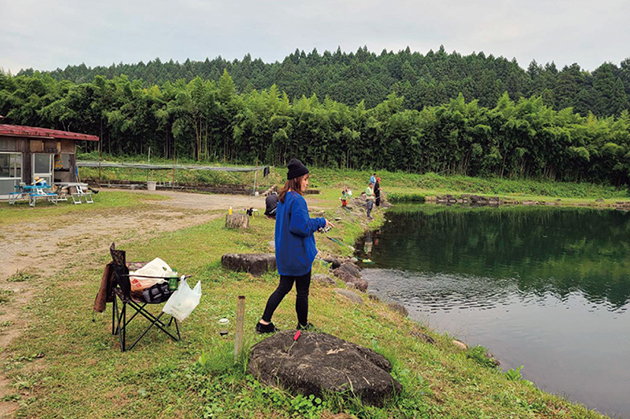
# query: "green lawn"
[[67, 364]]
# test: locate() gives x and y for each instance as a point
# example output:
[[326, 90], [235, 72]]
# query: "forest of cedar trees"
[[473, 115]]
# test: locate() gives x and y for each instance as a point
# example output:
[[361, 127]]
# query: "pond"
[[545, 288]]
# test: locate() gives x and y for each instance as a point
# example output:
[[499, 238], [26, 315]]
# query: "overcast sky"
[[45, 34]]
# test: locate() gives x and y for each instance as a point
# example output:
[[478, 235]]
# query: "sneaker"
[[265, 328], [308, 327]]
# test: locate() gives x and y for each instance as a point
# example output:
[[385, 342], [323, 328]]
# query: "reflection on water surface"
[[546, 288]]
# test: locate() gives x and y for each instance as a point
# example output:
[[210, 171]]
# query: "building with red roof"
[[27, 153]]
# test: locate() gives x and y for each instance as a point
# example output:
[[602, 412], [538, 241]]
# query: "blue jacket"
[[295, 243]]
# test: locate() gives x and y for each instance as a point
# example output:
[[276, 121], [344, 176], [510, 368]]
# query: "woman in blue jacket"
[[295, 247]]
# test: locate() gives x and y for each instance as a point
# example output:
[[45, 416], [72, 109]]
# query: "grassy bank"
[[44, 212], [67, 364], [405, 187]]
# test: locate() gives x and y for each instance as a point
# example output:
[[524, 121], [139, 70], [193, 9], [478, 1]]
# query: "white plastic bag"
[[157, 269], [183, 301]]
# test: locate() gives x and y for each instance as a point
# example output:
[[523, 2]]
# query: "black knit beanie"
[[296, 169]]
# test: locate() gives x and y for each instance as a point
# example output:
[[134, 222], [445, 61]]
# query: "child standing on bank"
[[345, 195], [295, 247]]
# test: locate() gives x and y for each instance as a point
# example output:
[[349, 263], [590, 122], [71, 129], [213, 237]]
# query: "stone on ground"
[[236, 221], [335, 262], [398, 308], [459, 344], [350, 273], [322, 279], [319, 363], [254, 263], [350, 295]]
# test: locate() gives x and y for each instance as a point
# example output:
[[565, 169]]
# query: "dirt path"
[[41, 250]]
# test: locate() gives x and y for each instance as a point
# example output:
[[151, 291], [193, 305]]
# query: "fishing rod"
[[339, 242]]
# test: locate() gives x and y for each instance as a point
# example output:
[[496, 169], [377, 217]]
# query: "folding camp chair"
[[135, 301], [82, 193]]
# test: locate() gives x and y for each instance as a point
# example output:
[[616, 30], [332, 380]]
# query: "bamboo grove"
[[212, 121]]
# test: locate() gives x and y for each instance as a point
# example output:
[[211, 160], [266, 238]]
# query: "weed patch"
[[22, 276], [480, 355], [6, 296]]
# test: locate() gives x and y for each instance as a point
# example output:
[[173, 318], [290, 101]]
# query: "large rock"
[[322, 279], [422, 336], [350, 273], [236, 221], [350, 269], [459, 344], [334, 262], [254, 263], [398, 308], [350, 295], [318, 363]]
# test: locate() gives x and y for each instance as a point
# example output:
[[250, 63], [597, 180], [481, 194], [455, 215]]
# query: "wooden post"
[[99, 153], [236, 221], [240, 318], [174, 163]]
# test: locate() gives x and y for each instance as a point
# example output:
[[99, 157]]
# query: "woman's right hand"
[[327, 227]]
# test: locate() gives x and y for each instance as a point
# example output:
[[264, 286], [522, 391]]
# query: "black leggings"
[[302, 284]]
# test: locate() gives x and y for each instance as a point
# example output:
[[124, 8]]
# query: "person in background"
[[345, 196], [295, 247], [369, 199], [373, 179], [377, 192], [271, 205]]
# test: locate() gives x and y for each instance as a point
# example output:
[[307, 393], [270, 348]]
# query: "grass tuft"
[[22, 276]]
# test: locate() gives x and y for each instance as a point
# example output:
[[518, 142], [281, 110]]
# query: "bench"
[[50, 196], [15, 196]]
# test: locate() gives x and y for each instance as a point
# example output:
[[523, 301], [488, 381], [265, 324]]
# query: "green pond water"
[[546, 288]]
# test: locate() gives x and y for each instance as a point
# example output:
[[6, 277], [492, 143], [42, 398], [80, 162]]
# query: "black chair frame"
[[122, 291]]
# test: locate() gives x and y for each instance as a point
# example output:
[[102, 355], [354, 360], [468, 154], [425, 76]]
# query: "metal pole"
[[240, 318]]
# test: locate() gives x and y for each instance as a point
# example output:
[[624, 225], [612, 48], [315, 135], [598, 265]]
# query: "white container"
[[151, 185]]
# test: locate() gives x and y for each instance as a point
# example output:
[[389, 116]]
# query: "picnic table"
[[39, 191], [19, 193]]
